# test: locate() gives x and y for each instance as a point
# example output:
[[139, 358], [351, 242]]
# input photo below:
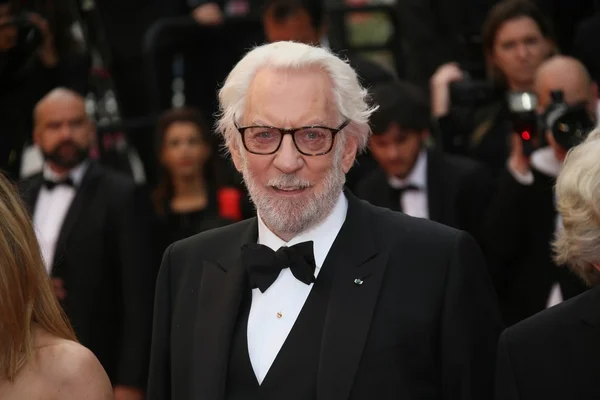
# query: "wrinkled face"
[[63, 131], [184, 152], [396, 150], [519, 49], [291, 191], [297, 27]]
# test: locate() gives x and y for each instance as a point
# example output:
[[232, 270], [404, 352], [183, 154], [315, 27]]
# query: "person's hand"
[[440, 88], [47, 51], [128, 393], [208, 14], [59, 288], [518, 161]]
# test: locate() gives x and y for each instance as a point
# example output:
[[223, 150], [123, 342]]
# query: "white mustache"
[[287, 181]]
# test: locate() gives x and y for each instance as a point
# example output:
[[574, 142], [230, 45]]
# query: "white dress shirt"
[[274, 312], [414, 202], [545, 161], [51, 209]]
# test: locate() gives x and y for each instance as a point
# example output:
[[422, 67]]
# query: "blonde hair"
[[26, 295], [578, 201], [349, 96]]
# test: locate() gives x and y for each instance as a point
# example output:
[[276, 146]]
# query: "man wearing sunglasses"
[[321, 296]]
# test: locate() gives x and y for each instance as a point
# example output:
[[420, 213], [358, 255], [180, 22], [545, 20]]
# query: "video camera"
[[475, 89], [568, 124]]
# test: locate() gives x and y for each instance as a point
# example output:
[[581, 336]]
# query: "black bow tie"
[[52, 184], [401, 190], [264, 265]]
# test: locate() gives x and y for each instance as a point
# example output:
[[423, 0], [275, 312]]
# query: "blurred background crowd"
[[479, 102]]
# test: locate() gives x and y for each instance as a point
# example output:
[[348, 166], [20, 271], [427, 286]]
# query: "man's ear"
[[236, 156], [350, 150]]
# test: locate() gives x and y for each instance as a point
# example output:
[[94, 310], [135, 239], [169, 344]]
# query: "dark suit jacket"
[[553, 355], [520, 227], [458, 191], [424, 324], [101, 256]]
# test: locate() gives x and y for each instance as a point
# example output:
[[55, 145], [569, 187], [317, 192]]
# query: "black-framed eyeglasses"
[[312, 140]]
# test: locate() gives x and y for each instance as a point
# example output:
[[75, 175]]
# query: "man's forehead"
[[274, 93]]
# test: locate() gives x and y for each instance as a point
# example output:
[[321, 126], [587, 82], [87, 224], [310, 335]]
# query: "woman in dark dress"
[[190, 196]]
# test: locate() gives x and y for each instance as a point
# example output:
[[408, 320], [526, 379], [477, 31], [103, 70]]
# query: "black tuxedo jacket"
[[553, 355], [520, 227], [458, 191], [102, 257], [424, 324]]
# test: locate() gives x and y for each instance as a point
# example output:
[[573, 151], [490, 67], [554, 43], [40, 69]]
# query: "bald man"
[[522, 217], [93, 241]]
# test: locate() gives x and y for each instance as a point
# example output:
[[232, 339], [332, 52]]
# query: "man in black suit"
[[94, 245], [422, 183], [522, 219], [321, 295], [556, 353]]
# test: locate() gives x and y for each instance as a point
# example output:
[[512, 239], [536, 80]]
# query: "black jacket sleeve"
[[470, 325], [506, 386], [131, 235], [159, 380]]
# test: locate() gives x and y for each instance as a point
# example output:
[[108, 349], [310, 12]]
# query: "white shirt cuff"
[[523, 179]]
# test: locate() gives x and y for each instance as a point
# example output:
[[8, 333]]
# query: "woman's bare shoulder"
[[71, 370]]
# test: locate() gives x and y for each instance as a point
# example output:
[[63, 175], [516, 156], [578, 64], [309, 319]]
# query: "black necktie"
[[52, 184], [264, 265], [397, 194]]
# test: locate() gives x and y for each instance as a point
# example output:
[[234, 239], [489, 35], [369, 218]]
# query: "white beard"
[[294, 215]]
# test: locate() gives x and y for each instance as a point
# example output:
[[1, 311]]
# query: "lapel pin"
[[358, 281]]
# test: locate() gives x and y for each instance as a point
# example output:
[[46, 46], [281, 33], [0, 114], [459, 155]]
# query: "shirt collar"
[[545, 161], [76, 173], [416, 177], [323, 235]]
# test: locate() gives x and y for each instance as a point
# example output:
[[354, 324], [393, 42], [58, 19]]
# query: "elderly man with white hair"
[[321, 296], [556, 353]]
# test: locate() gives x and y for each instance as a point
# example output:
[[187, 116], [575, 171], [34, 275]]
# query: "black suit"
[[458, 191], [553, 355], [424, 324], [519, 230], [101, 256]]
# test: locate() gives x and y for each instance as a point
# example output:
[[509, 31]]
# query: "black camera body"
[[524, 119], [569, 124], [471, 93]]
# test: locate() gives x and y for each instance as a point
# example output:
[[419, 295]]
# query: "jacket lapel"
[[435, 187], [359, 269], [86, 191], [30, 190], [384, 194], [219, 299]]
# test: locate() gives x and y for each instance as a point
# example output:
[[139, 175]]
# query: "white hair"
[[349, 96], [578, 192]]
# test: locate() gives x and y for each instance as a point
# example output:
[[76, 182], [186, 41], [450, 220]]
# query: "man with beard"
[[93, 241], [321, 295], [420, 182]]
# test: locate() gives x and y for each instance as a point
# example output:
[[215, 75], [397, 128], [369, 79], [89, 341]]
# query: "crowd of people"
[[389, 240]]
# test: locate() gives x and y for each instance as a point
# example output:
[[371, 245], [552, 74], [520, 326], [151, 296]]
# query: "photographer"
[[36, 54], [522, 219], [472, 117]]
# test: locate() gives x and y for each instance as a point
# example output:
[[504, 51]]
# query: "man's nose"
[[288, 159], [65, 132]]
